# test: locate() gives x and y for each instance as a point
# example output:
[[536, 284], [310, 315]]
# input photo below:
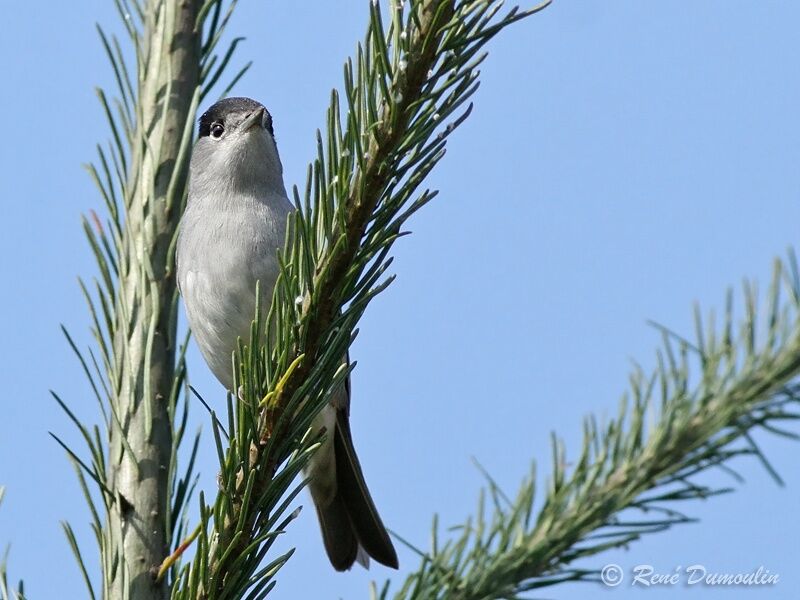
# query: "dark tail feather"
[[338, 536], [353, 495]]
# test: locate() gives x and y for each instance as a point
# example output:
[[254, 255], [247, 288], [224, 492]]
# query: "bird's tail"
[[350, 521]]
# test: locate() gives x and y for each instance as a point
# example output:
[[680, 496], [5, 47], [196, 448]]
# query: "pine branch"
[[136, 370], [141, 444], [405, 82], [706, 398], [441, 34]]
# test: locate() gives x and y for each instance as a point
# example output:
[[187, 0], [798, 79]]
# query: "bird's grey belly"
[[220, 304]]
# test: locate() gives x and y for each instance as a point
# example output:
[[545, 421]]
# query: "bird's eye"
[[217, 130]]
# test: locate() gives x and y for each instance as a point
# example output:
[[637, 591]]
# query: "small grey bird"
[[234, 223]]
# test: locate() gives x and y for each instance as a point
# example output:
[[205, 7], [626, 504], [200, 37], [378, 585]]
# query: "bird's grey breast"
[[224, 248]]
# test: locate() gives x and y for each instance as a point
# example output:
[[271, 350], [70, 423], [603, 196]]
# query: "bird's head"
[[235, 150]]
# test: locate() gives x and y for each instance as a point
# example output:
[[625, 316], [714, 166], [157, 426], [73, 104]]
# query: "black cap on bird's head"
[[232, 112]]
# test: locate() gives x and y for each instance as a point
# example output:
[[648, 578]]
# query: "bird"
[[229, 235]]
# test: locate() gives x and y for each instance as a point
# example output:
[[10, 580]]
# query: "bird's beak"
[[256, 118]]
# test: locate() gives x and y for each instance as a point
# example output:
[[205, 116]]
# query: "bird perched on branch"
[[234, 223]]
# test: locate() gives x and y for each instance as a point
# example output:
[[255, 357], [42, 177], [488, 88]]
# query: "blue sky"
[[624, 160]]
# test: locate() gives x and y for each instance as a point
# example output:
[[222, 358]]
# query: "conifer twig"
[[704, 400], [137, 370], [406, 91]]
